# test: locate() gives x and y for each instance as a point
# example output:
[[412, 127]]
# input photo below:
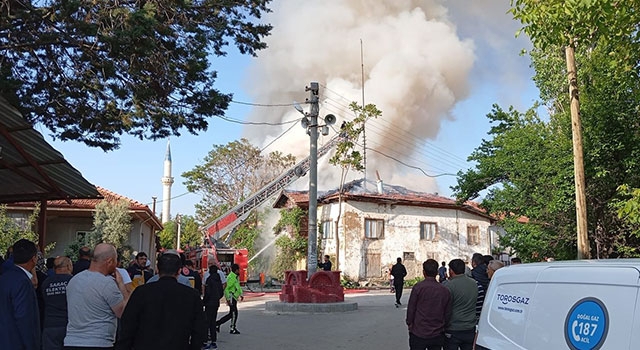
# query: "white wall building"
[[66, 221], [376, 228]]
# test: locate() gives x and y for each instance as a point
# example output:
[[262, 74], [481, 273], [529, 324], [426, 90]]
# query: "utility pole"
[[312, 251], [578, 160], [178, 222]]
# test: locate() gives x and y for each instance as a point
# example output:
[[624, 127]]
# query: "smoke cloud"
[[416, 68]]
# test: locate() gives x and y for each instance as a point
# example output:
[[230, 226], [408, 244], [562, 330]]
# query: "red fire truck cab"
[[223, 258]]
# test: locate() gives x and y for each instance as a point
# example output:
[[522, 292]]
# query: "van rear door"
[[582, 305]]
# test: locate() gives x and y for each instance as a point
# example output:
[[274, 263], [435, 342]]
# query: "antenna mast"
[[364, 135]]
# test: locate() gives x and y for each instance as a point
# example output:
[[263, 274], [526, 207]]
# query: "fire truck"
[[218, 233]]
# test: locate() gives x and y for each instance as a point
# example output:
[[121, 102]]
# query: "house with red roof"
[[68, 220], [365, 230]]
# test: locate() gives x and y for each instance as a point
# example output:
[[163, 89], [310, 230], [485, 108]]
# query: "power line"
[[411, 166], [263, 104], [258, 123], [441, 150], [395, 136]]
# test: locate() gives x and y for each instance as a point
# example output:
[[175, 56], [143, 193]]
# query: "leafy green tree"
[[291, 245], [168, 235], [572, 25], [230, 173], [11, 230], [526, 166], [348, 156], [189, 233], [93, 70], [111, 224]]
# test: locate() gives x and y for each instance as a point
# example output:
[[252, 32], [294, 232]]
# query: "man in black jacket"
[[479, 272], [398, 271], [163, 315], [213, 292]]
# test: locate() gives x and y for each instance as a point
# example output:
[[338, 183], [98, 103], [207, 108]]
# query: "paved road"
[[377, 324]]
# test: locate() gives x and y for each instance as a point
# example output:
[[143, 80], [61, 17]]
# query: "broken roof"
[[393, 194], [30, 168]]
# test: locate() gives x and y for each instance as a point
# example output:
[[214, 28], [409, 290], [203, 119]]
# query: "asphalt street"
[[377, 324]]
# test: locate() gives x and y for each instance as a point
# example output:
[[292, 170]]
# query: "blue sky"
[[499, 75]]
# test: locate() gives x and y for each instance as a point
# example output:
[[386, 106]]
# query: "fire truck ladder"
[[227, 222]]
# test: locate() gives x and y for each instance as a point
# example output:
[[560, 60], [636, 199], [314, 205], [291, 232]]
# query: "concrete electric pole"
[[312, 255]]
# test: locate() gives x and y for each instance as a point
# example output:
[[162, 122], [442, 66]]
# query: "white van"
[[578, 305]]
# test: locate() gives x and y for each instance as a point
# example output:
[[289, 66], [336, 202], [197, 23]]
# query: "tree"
[[111, 224], [91, 71], [526, 165], [13, 229], [190, 234], [168, 235], [231, 173], [348, 156], [566, 23], [291, 245]]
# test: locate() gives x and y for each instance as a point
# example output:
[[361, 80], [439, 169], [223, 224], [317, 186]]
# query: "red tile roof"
[[90, 203], [399, 195], [109, 196]]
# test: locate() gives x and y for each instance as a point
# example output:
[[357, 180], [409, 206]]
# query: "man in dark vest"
[[398, 271]]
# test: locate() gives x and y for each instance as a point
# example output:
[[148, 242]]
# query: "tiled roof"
[[299, 198], [91, 204], [398, 195]]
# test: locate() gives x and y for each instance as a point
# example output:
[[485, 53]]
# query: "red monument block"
[[322, 287]]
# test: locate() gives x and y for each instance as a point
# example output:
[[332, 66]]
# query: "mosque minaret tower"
[[167, 181]]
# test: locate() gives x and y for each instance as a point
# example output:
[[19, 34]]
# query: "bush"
[[348, 283], [412, 282]]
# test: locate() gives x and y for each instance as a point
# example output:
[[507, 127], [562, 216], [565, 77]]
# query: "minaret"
[[167, 181]]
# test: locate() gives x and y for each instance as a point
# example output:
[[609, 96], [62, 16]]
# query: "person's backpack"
[[213, 289]]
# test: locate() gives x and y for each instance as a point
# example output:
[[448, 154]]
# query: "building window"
[[327, 229], [80, 235], [374, 228], [473, 235], [428, 231], [408, 256]]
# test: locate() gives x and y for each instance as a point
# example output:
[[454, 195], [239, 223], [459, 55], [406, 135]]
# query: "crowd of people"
[[445, 307], [97, 304]]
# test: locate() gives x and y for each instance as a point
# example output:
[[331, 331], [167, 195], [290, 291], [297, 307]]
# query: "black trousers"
[[211, 313], [417, 343], [53, 338], [232, 315], [462, 340], [398, 287]]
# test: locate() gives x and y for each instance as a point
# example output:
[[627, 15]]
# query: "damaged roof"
[[30, 168], [392, 194]]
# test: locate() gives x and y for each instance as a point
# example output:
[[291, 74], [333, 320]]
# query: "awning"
[[30, 168]]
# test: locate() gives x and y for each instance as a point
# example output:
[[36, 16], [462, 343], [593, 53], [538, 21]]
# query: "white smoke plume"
[[416, 68]]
